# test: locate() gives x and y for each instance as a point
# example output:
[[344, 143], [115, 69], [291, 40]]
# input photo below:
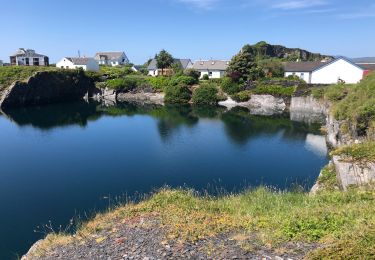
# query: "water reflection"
[[240, 124]]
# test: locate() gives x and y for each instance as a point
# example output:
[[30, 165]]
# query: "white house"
[[154, 71], [339, 69], [88, 64], [215, 69], [111, 58], [28, 57]]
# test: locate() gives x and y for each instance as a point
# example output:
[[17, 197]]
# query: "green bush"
[[242, 96], [274, 90], [193, 73], [184, 80], [159, 83], [205, 77], [229, 86], [127, 83], [179, 94], [206, 94], [116, 72]]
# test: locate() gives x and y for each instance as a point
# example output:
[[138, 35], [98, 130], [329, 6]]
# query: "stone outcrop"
[[47, 87], [259, 104], [354, 173], [307, 109], [142, 98], [341, 133]]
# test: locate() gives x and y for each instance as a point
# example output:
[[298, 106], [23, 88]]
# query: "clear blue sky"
[[196, 29]]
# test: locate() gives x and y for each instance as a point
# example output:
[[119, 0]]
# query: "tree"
[[164, 60], [241, 63]]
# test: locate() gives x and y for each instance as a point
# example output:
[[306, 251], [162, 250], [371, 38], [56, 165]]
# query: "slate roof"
[[79, 61], [308, 66], [109, 55], [211, 65], [183, 62], [365, 60], [21, 52]]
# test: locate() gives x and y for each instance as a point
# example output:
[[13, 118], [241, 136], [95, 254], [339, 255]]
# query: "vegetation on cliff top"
[[354, 103], [343, 224], [10, 74], [364, 152]]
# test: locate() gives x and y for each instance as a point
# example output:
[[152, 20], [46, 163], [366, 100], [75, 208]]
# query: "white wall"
[[215, 74], [22, 61], [92, 65], [340, 69], [302, 75]]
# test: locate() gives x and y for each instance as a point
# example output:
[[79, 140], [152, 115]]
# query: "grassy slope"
[[10, 74], [343, 222]]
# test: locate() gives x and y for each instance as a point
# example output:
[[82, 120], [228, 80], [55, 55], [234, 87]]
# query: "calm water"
[[63, 160]]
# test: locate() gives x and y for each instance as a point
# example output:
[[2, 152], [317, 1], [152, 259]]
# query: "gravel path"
[[144, 238]]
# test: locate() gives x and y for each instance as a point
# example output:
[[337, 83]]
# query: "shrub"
[[128, 83], [242, 96], [159, 83], [206, 94], [179, 94], [116, 72], [229, 86], [205, 77], [274, 90], [184, 80], [193, 73]]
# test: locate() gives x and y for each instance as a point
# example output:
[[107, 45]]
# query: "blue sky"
[[196, 29]]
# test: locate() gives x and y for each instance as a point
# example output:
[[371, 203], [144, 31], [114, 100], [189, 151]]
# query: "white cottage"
[[87, 64], [339, 69], [215, 69], [111, 58], [28, 57], [154, 71]]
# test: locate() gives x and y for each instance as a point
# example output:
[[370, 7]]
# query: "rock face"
[[277, 51], [354, 173], [336, 136], [142, 97], [259, 104], [47, 87], [308, 110]]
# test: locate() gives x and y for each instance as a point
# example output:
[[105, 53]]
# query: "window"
[[210, 73], [62, 67], [36, 61], [302, 75], [27, 62]]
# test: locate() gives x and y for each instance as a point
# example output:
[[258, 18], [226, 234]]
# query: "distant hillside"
[[364, 60], [264, 50]]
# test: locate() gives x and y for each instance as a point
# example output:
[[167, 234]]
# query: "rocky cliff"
[[266, 50], [47, 87]]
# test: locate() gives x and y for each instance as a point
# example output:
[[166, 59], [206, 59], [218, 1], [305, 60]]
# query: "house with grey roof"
[[215, 69], [87, 64], [28, 57], [154, 71], [114, 58], [338, 70]]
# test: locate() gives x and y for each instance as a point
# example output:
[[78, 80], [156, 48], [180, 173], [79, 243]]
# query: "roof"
[[313, 66], [79, 61], [211, 65], [367, 66], [183, 62], [365, 60], [307, 66], [21, 52], [109, 55]]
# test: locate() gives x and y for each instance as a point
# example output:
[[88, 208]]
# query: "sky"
[[195, 29]]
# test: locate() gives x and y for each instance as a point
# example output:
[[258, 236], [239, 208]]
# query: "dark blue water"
[[63, 160]]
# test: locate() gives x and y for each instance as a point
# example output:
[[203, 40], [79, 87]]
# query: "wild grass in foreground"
[[342, 223]]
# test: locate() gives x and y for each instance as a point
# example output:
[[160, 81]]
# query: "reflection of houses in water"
[[317, 144]]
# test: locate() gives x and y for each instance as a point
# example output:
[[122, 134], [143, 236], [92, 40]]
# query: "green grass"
[[343, 223], [353, 103], [364, 152], [328, 179], [10, 74]]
